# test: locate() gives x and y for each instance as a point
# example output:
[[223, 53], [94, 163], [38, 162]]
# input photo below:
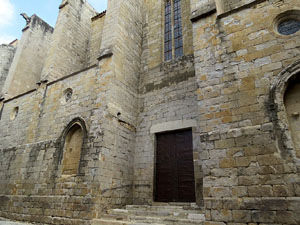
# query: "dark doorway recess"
[[174, 167]]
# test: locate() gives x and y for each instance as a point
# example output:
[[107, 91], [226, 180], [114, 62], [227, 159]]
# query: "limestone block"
[[6, 57], [221, 215], [241, 216]]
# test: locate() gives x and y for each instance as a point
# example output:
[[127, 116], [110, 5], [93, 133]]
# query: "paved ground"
[[11, 223], [6, 222]]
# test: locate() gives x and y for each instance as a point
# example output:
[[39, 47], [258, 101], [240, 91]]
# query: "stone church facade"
[[189, 105]]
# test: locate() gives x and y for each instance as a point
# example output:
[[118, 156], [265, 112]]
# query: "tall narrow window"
[[173, 29], [177, 29], [168, 30]]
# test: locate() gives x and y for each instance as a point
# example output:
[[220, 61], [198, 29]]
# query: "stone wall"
[[225, 88], [35, 189], [153, 32], [105, 98], [248, 177], [225, 6], [68, 50], [121, 46], [126, 46], [29, 58], [96, 37], [167, 94], [202, 8], [6, 56]]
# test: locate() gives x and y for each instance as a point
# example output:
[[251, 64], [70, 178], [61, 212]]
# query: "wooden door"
[[174, 167]]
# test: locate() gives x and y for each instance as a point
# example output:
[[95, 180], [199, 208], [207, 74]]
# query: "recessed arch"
[[72, 142], [279, 113], [292, 107]]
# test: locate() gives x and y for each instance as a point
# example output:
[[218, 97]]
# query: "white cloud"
[[6, 39], [6, 12]]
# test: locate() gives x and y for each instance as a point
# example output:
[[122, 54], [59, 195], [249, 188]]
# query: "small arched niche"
[[292, 106], [14, 113], [72, 149]]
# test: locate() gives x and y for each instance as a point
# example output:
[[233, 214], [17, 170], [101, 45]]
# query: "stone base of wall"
[[48, 209]]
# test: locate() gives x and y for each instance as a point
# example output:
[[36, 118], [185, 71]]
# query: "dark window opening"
[[168, 31], [173, 35], [289, 26], [178, 29]]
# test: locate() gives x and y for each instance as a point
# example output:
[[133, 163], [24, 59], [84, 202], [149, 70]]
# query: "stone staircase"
[[157, 214]]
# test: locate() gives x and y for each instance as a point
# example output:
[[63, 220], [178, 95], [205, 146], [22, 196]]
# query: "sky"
[[11, 23]]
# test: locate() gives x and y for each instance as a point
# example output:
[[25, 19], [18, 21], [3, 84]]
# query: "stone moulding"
[[63, 4], [6, 99], [208, 10], [284, 16], [99, 15], [278, 113], [222, 11], [70, 75], [106, 53], [79, 121]]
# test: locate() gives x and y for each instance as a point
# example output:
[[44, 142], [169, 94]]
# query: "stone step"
[[176, 213], [108, 222], [159, 209], [162, 205], [181, 204], [153, 208], [116, 222], [190, 219], [147, 221], [163, 214], [167, 220]]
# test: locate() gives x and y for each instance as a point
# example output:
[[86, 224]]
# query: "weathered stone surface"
[[249, 59], [157, 214], [7, 53], [107, 71], [29, 58], [74, 17]]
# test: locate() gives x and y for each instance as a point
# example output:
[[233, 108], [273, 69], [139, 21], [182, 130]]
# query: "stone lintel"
[[173, 125]]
